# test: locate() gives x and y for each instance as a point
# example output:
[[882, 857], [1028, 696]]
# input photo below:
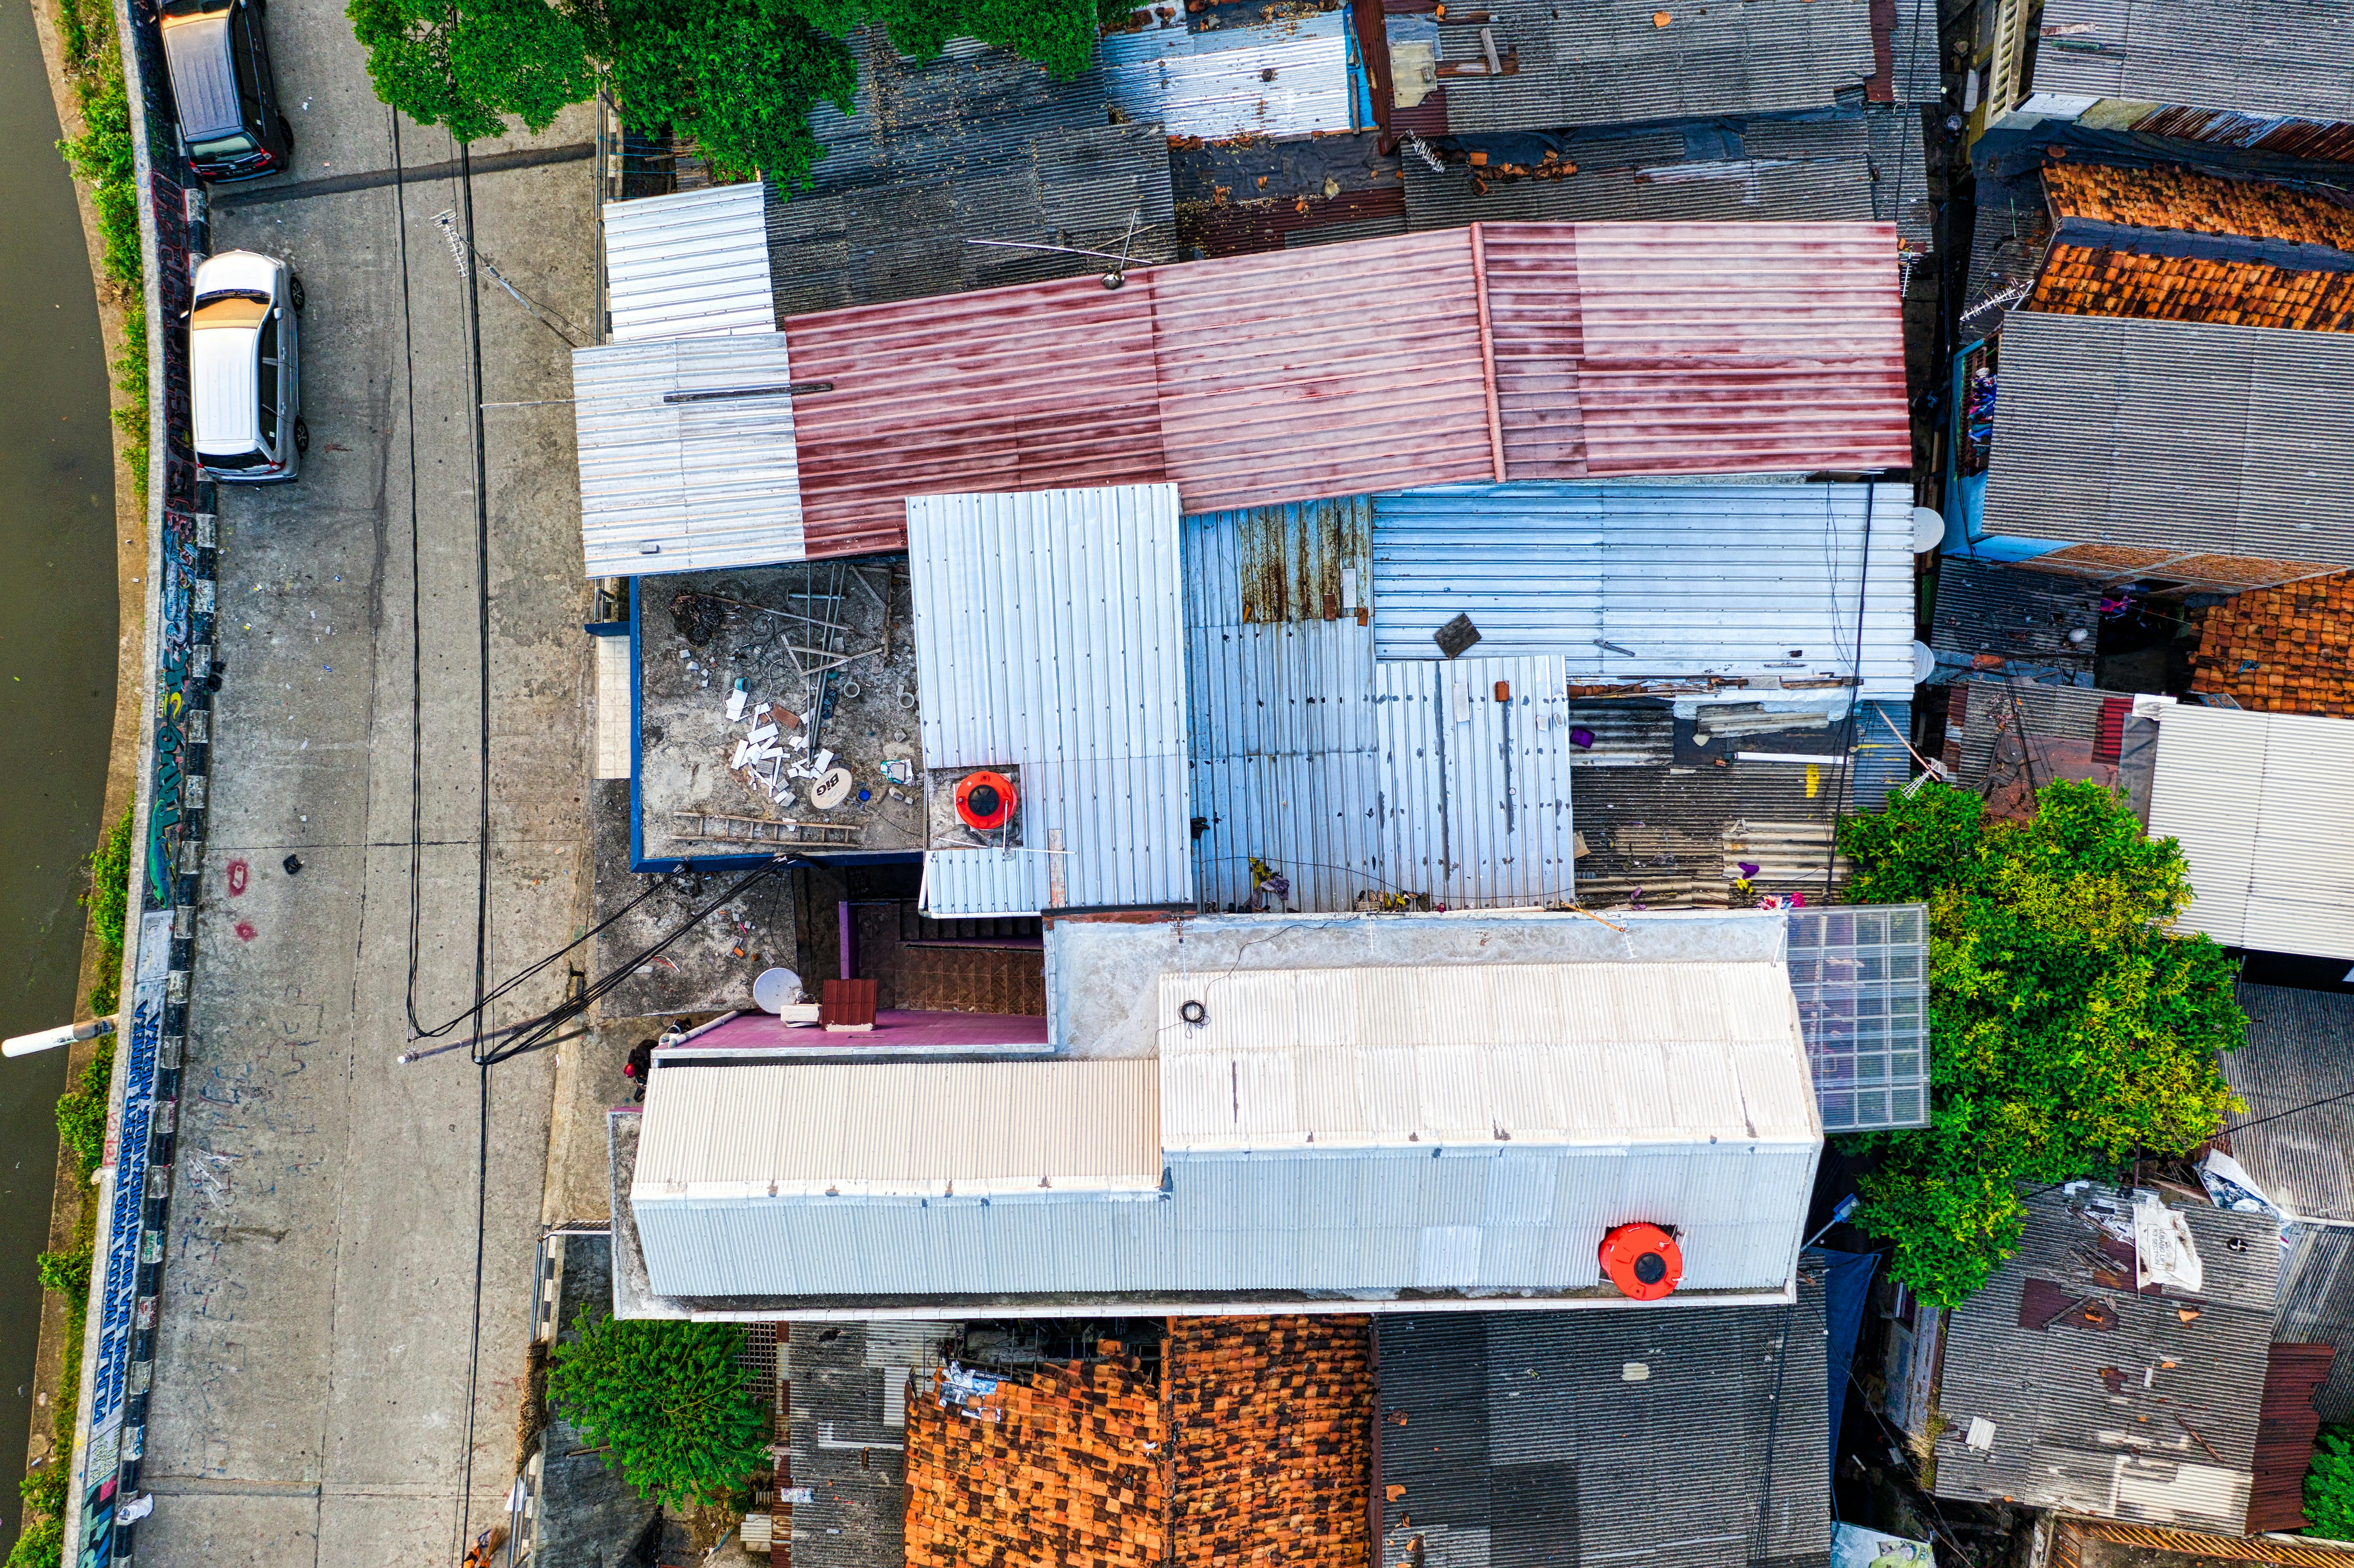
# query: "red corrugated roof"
[[1038, 387], [1516, 351], [1741, 349], [1285, 376]]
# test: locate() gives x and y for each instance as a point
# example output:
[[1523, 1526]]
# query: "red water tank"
[[1643, 1261], [985, 801]]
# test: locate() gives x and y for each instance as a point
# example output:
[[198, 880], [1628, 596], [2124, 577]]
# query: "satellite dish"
[[1928, 530], [776, 989], [1924, 663]]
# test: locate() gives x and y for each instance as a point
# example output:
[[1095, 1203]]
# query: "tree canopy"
[[2070, 1031], [669, 1400], [740, 77]]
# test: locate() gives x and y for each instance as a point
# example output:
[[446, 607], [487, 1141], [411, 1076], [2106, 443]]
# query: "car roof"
[[204, 82], [222, 364]]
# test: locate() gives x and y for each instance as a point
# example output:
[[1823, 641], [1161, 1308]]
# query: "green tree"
[[2070, 1031], [670, 1402], [470, 68], [81, 1111], [109, 898], [2330, 1484]]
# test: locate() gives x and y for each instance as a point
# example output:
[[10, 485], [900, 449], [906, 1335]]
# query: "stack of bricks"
[[2286, 650], [1271, 1420], [1067, 1469]]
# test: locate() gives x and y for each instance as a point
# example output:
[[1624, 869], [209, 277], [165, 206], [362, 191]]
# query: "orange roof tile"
[[2082, 280], [2198, 204], [2283, 649]]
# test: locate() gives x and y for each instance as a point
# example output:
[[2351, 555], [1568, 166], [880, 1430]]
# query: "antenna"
[[1111, 280]]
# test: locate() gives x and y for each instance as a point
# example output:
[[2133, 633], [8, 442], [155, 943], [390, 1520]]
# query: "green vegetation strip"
[[101, 157]]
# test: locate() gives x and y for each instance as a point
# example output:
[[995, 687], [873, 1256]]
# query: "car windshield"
[[195, 7], [234, 146], [233, 308]]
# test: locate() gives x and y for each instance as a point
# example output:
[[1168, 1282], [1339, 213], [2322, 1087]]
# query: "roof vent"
[[1643, 1261]]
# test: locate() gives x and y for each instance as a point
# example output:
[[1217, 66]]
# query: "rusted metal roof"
[[1510, 351], [1276, 385]]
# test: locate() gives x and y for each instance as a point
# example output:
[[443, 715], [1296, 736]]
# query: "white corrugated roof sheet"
[[1049, 636], [674, 482], [2258, 802], [691, 264], [1378, 1134], [1631, 581], [1288, 75]]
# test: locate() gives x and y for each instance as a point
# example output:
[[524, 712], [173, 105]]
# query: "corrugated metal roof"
[[2316, 1304], [1733, 348], [2298, 60], [1047, 387], [1545, 1054], [1618, 64], [2296, 1061], [1269, 394], [1854, 168], [1347, 776], [685, 486], [1527, 1441], [845, 1431], [1049, 635], [1276, 76], [1702, 348], [2171, 1442], [893, 1130], [693, 264], [2258, 803], [2015, 614], [976, 144], [2189, 436], [1651, 582]]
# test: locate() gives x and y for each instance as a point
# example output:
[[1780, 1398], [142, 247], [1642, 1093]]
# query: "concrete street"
[[312, 1364]]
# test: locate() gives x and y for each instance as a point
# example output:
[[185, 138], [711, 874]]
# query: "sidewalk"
[[313, 1360]]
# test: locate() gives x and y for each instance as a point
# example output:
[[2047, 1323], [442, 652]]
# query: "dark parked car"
[[225, 91]]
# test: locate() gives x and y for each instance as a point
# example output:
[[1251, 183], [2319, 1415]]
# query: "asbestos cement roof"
[[2257, 802], [686, 453], [1636, 583], [2296, 60], [691, 264], [1621, 63], [1049, 637], [2152, 1419], [2297, 1079], [2175, 435], [976, 144], [1544, 1439]]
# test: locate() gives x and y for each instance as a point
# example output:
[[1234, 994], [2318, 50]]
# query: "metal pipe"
[[64, 1035]]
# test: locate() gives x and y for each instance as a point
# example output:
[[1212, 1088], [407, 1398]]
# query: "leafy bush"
[[41, 1545], [81, 1111], [101, 157], [2070, 1031], [109, 898], [670, 1402], [67, 1272], [2330, 1484]]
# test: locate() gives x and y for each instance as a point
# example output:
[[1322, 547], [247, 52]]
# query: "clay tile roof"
[[2198, 204], [1251, 1446], [2080, 280], [2286, 650]]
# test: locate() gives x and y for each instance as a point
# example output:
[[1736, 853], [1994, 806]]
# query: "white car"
[[243, 381]]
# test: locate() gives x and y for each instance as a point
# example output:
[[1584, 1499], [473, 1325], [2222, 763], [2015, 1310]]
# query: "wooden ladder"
[[763, 830]]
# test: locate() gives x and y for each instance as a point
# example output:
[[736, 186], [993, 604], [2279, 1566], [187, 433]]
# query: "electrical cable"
[[1847, 748], [517, 978], [415, 603]]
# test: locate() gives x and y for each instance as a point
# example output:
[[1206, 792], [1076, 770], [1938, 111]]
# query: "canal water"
[[57, 671]]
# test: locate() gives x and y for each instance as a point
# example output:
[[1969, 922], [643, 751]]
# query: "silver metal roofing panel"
[[691, 264], [2258, 802], [677, 486], [1615, 64], [2295, 59], [1284, 76], [2316, 1306], [2181, 435], [2299, 1059], [1679, 580], [1048, 635], [2173, 1441], [1345, 775]]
